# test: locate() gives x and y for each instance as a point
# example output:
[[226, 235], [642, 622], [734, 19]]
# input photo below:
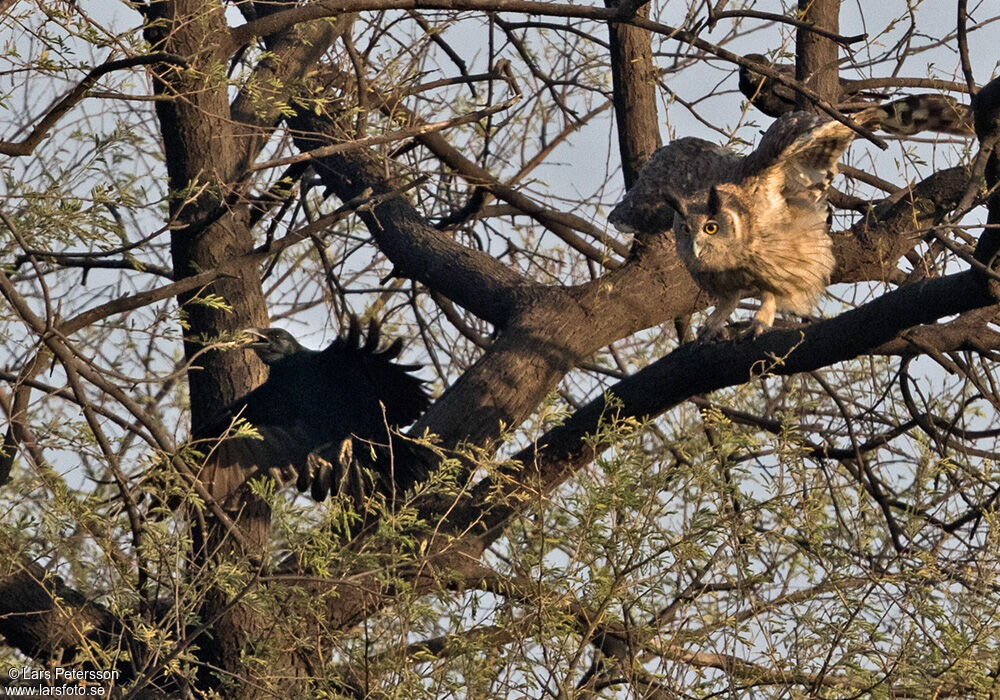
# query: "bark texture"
[[816, 56], [633, 77]]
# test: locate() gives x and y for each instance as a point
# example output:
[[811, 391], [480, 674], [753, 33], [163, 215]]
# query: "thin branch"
[[398, 135], [56, 112], [328, 8], [794, 21]]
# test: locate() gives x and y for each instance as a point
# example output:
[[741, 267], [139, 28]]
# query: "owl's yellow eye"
[[711, 228]]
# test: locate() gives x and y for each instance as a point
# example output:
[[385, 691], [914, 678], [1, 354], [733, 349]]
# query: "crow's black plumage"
[[325, 416], [336, 392]]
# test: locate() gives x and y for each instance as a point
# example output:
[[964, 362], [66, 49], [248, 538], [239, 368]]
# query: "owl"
[[757, 225]]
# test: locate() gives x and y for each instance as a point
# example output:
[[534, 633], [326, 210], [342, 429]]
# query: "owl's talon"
[[710, 333], [706, 334], [759, 329]]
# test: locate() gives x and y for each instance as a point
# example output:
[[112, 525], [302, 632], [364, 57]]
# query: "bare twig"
[[398, 135], [55, 113], [794, 21]]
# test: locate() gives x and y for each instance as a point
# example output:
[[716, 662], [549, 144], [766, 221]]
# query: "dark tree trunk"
[[816, 56], [211, 226], [633, 77], [543, 330]]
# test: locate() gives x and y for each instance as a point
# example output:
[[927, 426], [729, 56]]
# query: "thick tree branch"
[[634, 94], [986, 112], [470, 278], [43, 618], [872, 247], [700, 368]]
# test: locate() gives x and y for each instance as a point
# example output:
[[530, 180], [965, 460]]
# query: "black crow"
[[326, 416]]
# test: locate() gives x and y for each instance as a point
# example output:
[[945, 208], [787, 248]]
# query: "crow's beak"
[[257, 337]]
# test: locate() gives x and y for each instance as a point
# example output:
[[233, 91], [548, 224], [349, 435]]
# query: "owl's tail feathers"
[[916, 113]]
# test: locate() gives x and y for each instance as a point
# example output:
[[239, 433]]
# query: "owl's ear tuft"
[[714, 202], [675, 202]]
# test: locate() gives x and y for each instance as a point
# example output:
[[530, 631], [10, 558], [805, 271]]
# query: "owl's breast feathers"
[[794, 262]]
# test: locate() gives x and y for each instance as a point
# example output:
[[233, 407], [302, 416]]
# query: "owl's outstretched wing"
[[673, 172], [915, 113], [797, 158]]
